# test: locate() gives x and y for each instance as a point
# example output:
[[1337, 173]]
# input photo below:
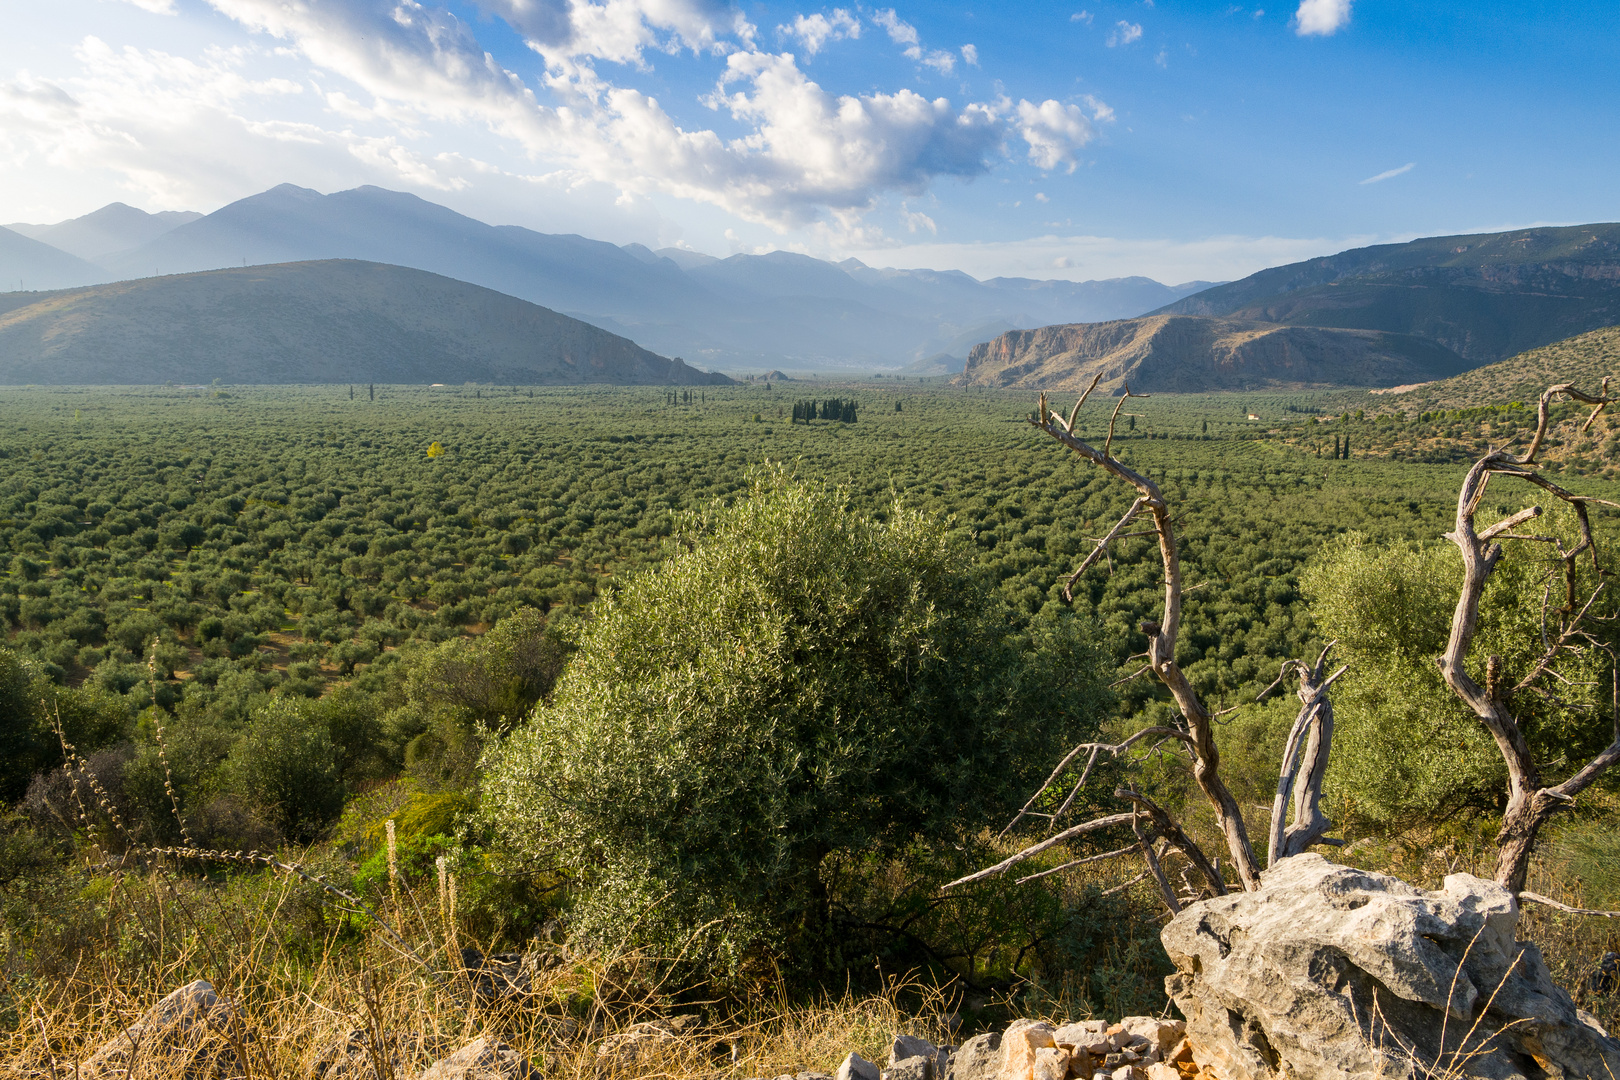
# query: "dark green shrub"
[[797, 680], [285, 766]]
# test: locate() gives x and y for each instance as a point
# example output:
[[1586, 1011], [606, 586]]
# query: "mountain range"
[[1392, 313], [312, 322], [748, 311]]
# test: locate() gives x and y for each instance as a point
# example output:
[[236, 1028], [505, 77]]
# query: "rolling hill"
[[1191, 354], [1485, 297], [311, 322], [1585, 360]]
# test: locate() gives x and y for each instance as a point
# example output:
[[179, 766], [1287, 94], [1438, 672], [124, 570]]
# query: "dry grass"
[[402, 991]]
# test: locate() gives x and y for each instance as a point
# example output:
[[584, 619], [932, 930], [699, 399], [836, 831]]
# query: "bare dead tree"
[[1566, 629], [1194, 735], [1530, 802]]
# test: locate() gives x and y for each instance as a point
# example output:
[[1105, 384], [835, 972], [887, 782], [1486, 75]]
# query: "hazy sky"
[[1175, 140]]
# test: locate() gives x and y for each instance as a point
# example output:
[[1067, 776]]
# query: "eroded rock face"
[[1330, 971]]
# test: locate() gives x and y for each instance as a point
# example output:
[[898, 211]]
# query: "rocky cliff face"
[[1189, 354]]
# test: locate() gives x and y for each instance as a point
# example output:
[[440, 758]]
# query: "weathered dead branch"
[[1198, 734], [1530, 803], [1305, 760]]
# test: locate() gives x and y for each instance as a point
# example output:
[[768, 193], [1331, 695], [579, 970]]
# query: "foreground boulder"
[[171, 1038], [482, 1059], [1329, 971]]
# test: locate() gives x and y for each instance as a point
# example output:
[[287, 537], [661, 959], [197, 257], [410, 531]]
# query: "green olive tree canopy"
[[796, 679]]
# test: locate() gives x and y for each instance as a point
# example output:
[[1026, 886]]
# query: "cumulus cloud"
[[1124, 33], [810, 147], [1054, 131], [917, 222], [970, 54], [381, 80], [1081, 17], [805, 152], [1321, 17], [138, 115], [900, 31], [814, 31], [620, 30]]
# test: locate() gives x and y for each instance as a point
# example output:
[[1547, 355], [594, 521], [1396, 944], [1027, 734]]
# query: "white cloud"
[[903, 33], [156, 7], [1124, 33], [1321, 17], [1081, 17], [804, 152], [619, 30], [900, 31], [970, 53], [814, 31], [1390, 173], [1054, 131], [917, 221], [379, 88]]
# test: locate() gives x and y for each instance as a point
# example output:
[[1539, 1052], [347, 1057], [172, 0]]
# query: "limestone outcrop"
[[1330, 971]]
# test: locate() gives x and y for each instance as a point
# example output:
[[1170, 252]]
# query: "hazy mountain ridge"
[[1484, 296], [1193, 354], [328, 321], [26, 263], [777, 309], [113, 229]]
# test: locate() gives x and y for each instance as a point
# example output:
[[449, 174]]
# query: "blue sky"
[[1175, 140]]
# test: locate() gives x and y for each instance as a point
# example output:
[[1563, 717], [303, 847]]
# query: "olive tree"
[[795, 680]]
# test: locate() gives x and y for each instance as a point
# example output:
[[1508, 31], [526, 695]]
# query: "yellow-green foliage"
[[1406, 750]]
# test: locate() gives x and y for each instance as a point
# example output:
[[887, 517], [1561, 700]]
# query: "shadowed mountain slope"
[[1485, 296], [332, 321], [1190, 354]]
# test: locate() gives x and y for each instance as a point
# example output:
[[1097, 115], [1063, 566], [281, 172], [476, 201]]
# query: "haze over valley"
[[745, 312]]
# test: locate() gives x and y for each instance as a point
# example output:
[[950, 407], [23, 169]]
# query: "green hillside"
[[311, 322], [1585, 360]]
